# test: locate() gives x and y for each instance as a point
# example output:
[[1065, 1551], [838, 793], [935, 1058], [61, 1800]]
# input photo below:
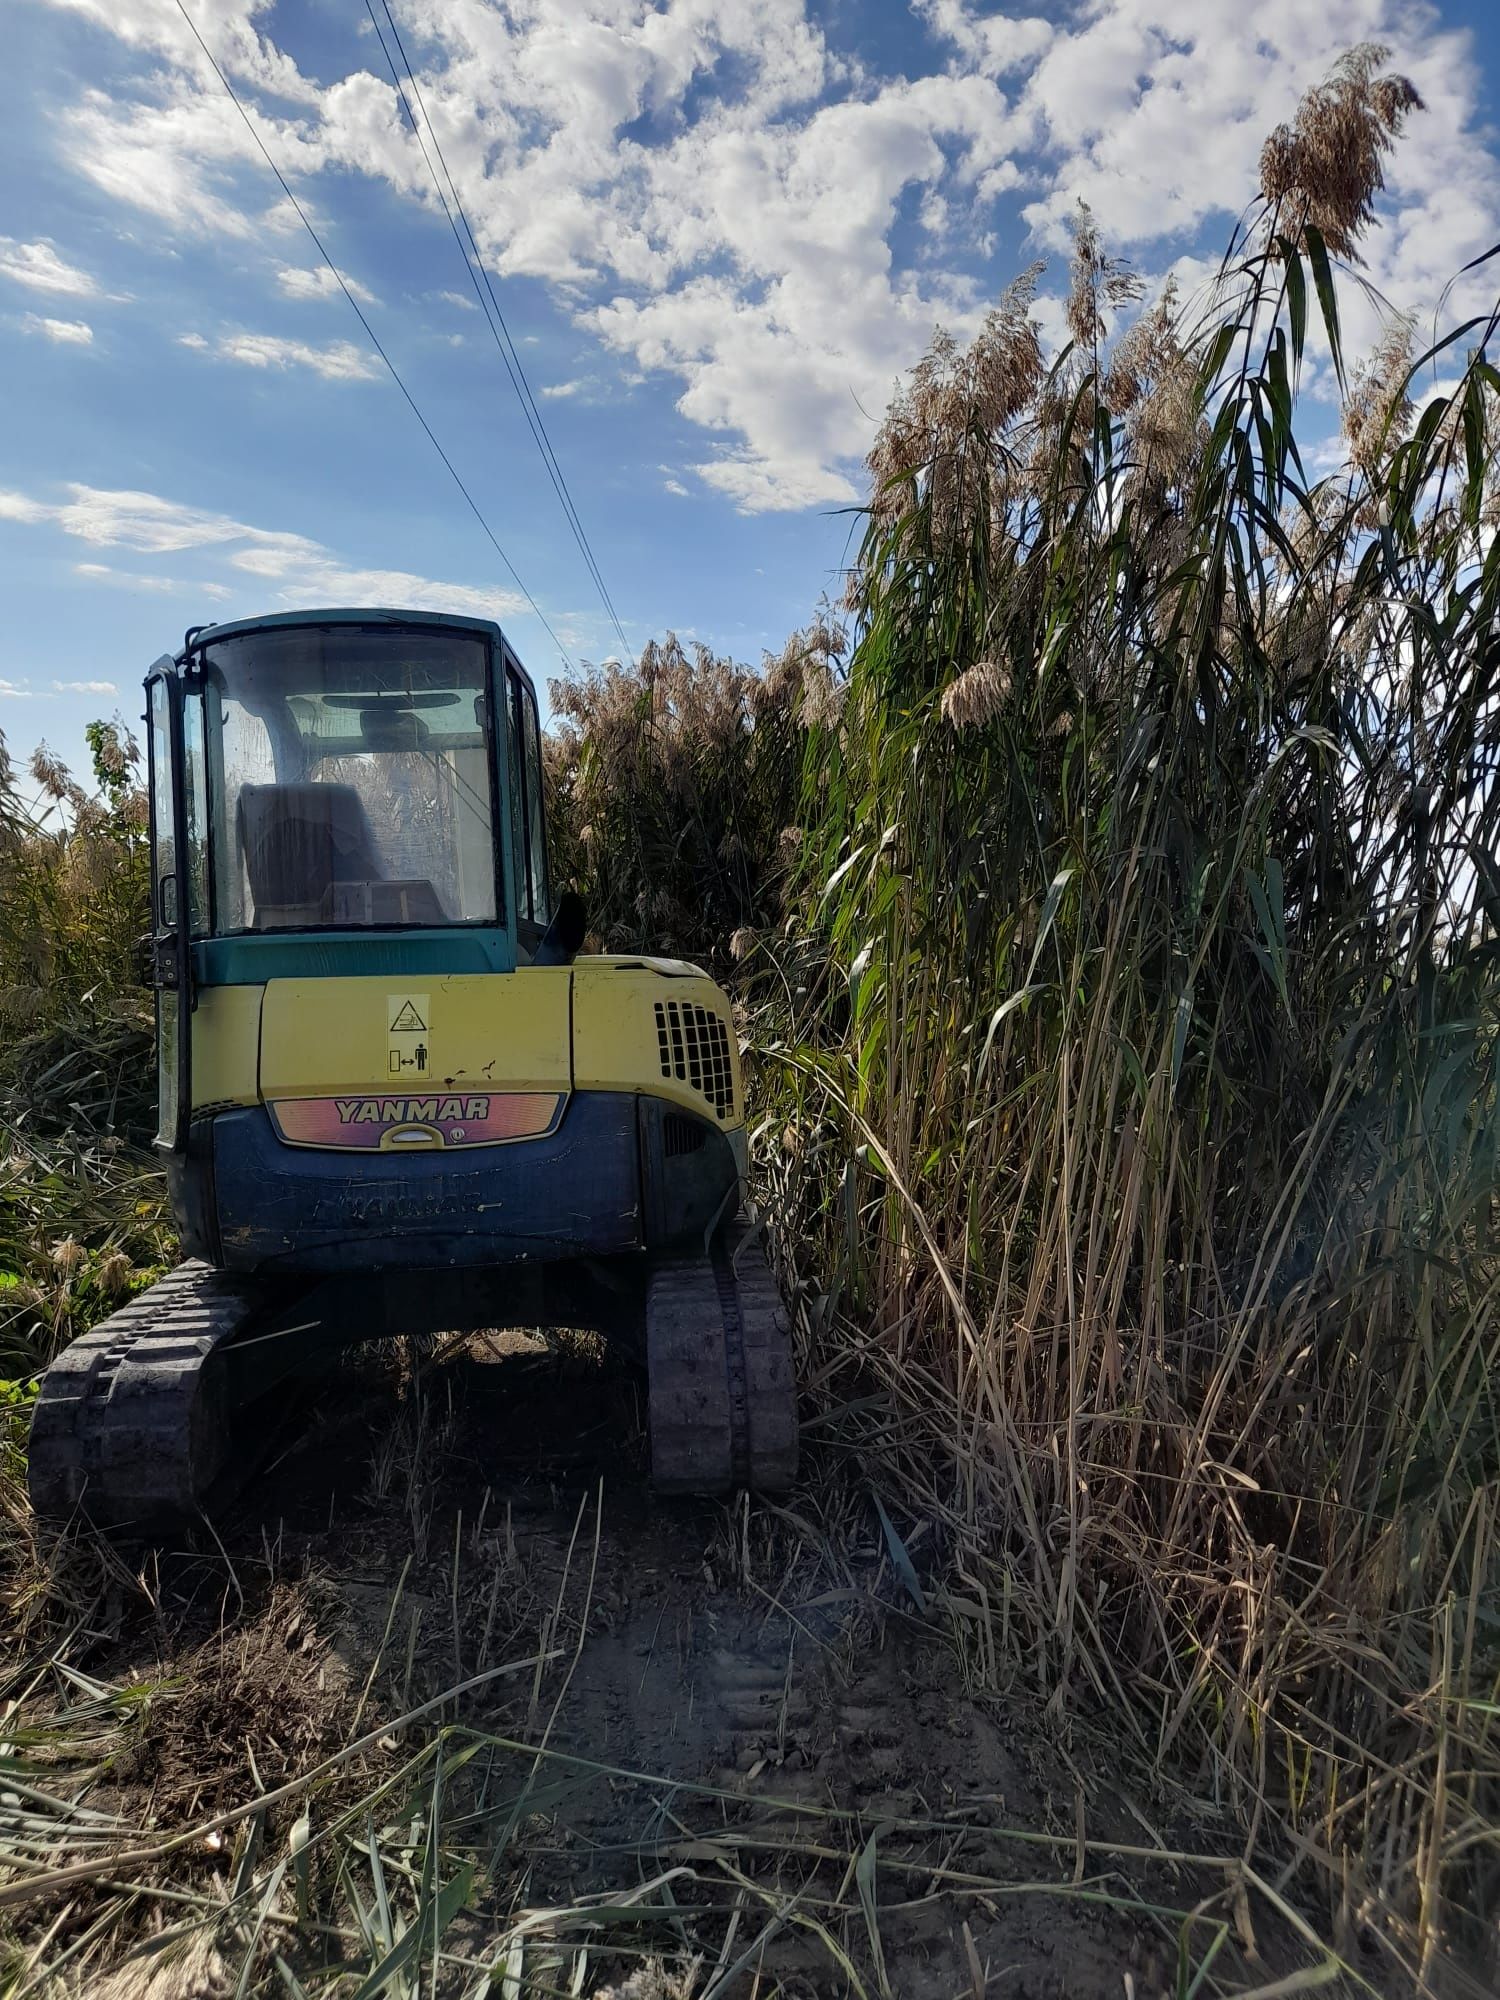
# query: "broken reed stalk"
[[452, 1839]]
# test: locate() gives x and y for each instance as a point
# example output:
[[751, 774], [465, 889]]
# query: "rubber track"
[[770, 1378], [131, 1426], [723, 1397]]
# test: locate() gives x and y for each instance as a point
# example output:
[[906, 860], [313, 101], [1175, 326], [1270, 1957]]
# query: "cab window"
[[528, 833], [353, 771], [536, 834]]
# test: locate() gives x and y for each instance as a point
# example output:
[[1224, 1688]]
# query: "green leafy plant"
[[74, 898]]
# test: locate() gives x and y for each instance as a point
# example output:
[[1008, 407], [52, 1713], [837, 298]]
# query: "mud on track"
[[744, 1766]]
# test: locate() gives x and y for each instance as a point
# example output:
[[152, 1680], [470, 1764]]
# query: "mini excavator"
[[393, 1098]]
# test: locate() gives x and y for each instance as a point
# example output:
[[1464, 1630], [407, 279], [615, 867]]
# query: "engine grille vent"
[[694, 1047], [681, 1135]]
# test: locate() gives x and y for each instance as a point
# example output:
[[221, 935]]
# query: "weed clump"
[[74, 902], [1143, 994]]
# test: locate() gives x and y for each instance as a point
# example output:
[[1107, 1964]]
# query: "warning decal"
[[407, 1039], [406, 1013]]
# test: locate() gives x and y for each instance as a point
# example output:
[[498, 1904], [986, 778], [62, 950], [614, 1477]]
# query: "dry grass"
[[425, 1841], [1323, 171]]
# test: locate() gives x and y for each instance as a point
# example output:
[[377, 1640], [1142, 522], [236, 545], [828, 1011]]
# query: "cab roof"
[[373, 614]]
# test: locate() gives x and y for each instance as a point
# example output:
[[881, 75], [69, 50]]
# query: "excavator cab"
[[392, 1097]]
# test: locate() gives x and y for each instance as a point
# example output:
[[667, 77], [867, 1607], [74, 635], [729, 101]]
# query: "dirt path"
[[744, 1744]]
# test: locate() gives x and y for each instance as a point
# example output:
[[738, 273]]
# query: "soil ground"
[[747, 1765]]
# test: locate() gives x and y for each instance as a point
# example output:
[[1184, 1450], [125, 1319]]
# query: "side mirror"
[[565, 933]]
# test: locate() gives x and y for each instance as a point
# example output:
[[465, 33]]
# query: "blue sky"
[[718, 230]]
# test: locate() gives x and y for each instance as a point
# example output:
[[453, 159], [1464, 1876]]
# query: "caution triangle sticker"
[[408, 1022]]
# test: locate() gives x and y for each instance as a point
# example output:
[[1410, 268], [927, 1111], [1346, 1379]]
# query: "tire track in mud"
[[813, 1731], [729, 1705], [711, 1647]]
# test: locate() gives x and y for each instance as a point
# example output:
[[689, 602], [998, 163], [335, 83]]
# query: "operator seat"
[[298, 841]]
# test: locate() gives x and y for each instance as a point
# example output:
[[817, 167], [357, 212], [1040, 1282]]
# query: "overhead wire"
[[373, 337], [489, 303]]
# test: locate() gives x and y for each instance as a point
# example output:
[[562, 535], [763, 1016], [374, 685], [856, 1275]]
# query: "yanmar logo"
[[382, 1124], [410, 1110]]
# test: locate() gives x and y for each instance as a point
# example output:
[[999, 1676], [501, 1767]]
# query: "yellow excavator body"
[[394, 1096]]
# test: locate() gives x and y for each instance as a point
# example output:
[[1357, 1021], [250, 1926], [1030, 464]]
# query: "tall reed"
[[1147, 954], [674, 787], [82, 1205], [75, 1046]]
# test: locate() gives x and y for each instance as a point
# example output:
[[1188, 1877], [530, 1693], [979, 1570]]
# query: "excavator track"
[[723, 1397], [132, 1422]]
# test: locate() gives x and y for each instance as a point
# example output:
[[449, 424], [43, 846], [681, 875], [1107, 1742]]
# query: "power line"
[[475, 266], [371, 335], [490, 306]]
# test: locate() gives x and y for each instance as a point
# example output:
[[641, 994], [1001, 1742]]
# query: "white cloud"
[[340, 361], [456, 299], [1155, 116], [1156, 119], [319, 283], [303, 572], [227, 25], [39, 266], [1329, 454], [764, 212], [126, 520], [720, 198], [66, 332], [994, 43], [177, 155], [761, 485], [129, 579], [17, 507], [559, 389], [24, 691]]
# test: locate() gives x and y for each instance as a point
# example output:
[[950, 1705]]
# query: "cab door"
[[171, 962]]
